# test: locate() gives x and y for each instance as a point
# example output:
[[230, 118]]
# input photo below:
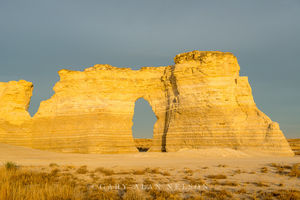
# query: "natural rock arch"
[[143, 123], [199, 102]]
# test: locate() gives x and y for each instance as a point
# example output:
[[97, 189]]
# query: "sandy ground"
[[184, 158], [186, 165]]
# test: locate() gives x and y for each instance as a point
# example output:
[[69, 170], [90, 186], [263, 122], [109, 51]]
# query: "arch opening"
[[143, 123]]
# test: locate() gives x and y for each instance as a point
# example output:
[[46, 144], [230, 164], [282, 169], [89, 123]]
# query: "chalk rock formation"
[[14, 118], [295, 145], [199, 102], [14, 100]]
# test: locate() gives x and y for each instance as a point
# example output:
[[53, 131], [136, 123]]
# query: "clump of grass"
[[194, 181], [123, 172], [295, 170], [153, 171], [92, 174], [127, 181], [274, 165], [281, 168], [228, 183], [106, 172], [238, 171], [279, 194], [139, 172], [241, 191], [164, 194], [264, 170], [66, 169], [11, 166], [188, 171], [150, 171], [108, 181], [55, 171], [147, 181], [261, 184], [219, 194], [133, 195], [82, 170], [280, 184], [71, 167], [287, 167], [217, 176], [165, 173], [53, 165], [95, 178]]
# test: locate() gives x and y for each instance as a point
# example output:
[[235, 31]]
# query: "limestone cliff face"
[[199, 102], [212, 106], [14, 118], [14, 100]]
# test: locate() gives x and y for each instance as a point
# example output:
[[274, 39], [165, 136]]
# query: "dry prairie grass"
[[264, 170], [139, 172], [161, 194], [82, 170], [279, 194], [194, 181], [238, 171], [25, 184], [10, 166], [148, 181], [134, 195], [289, 170], [295, 170], [127, 181], [106, 172], [28, 183], [241, 191], [219, 194], [261, 184], [217, 176], [150, 171], [188, 171], [225, 183], [165, 173], [153, 171], [53, 165]]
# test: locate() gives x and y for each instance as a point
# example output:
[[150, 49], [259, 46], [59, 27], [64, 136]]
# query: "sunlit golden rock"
[[200, 102], [14, 101]]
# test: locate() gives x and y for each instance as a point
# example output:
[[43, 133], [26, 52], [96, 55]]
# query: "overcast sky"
[[38, 38]]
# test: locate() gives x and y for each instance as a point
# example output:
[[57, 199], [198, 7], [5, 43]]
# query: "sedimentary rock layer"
[[200, 102], [295, 145]]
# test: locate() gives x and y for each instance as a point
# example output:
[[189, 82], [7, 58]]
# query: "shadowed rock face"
[[199, 102]]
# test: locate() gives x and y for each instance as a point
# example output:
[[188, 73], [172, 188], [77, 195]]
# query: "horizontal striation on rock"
[[200, 102]]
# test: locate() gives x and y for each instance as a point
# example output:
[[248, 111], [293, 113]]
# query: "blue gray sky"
[[38, 38]]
